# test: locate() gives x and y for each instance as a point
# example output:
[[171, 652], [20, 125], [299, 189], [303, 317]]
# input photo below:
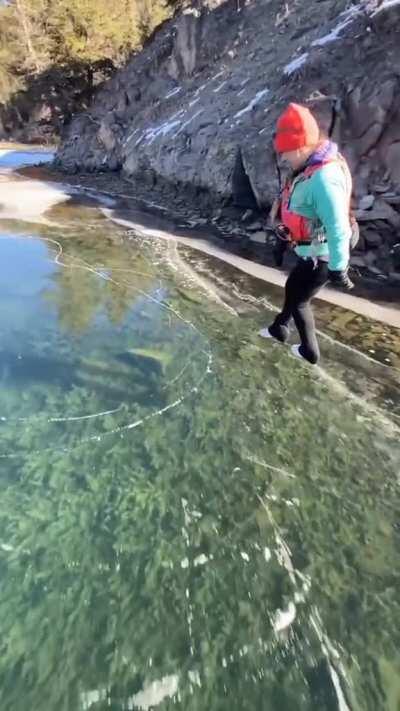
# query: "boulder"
[[372, 238], [106, 137], [358, 261], [366, 202], [259, 236], [391, 198], [370, 258], [381, 211]]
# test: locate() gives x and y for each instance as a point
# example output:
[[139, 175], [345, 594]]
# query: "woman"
[[314, 209]]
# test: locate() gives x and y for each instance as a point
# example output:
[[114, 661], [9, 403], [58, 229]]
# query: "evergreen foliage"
[[38, 34]]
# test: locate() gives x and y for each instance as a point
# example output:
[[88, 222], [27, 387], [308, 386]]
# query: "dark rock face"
[[38, 113], [197, 106]]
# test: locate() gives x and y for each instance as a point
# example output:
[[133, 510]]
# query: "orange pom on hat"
[[295, 128]]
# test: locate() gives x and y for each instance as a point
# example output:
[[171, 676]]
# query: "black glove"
[[278, 251], [341, 278], [281, 244]]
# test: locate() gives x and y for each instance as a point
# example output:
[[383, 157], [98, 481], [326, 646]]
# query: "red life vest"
[[301, 228]]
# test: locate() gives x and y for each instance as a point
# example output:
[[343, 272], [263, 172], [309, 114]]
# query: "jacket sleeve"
[[330, 202]]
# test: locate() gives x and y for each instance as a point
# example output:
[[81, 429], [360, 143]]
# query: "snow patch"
[[348, 17], [189, 121], [200, 89], [150, 134], [162, 130], [219, 87], [131, 135], [295, 64], [173, 92], [217, 76], [256, 100], [191, 11], [384, 6]]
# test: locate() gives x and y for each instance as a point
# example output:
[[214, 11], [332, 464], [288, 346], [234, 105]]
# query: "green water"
[[189, 518]]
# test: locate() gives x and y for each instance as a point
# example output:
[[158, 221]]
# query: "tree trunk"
[[27, 32], [134, 17]]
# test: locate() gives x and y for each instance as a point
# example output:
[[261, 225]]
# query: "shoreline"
[[226, 232], [361, 318], [357, 304]]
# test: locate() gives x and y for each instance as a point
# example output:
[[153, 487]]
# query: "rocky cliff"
[[196, 108], [37, 113]]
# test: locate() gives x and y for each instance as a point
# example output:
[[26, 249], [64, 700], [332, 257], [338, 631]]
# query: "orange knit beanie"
[[295, 128]]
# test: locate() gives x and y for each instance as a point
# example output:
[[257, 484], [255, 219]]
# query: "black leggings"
[[304, 282]]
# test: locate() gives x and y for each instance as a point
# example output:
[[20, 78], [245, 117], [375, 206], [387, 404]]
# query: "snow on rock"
[[173, 92], [201, 88], [219, 87], [385, 5], [189, 121], [295, 64], [217, 76], [347, 18], [131, 135], [191, 11], [150, 134], [256, 100]]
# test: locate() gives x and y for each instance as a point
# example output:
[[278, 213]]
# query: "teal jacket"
[[324, 199]]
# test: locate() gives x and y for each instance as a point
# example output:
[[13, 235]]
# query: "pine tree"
[[31, 18], [9, 53], [38, 34]]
